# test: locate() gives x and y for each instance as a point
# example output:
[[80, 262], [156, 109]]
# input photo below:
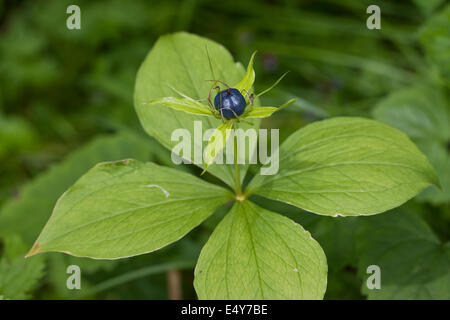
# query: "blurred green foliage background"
[[66, 104]]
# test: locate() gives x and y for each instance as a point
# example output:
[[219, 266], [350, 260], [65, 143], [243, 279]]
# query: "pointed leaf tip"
[[272, 86], [186, 105], [34, 250], [247, 81]]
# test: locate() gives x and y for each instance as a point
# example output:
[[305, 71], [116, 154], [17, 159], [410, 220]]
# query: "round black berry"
[[230, 103]]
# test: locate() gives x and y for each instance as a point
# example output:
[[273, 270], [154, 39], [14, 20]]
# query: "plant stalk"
[[237, 171]]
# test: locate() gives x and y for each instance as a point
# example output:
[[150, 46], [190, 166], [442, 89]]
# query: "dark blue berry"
[[230, 102]]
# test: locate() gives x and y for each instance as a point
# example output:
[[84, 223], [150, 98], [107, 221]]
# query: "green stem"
[[238, 179], [237, 172]]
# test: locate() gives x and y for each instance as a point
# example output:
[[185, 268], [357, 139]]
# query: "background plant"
[[59, 89]]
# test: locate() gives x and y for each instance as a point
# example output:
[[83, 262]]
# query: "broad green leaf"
[[18, 276], [325, 230], [424, 114], [27, 213], [265, 112], [435, 37], [421, 112], [246, 83], [347, 166], [181, 60], [125, 208], [217, 141], [414, 264], [343, 282], [257, 254], [185, 105]]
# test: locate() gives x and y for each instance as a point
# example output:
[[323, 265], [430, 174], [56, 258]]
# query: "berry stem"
[[237, 171]]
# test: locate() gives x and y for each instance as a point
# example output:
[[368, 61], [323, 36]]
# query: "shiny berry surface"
[[230, 103]]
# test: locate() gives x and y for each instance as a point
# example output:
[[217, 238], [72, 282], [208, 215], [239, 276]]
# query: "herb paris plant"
[[341, 166], [229, 105]]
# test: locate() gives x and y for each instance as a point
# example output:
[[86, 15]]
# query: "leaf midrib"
[[126, 211]]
